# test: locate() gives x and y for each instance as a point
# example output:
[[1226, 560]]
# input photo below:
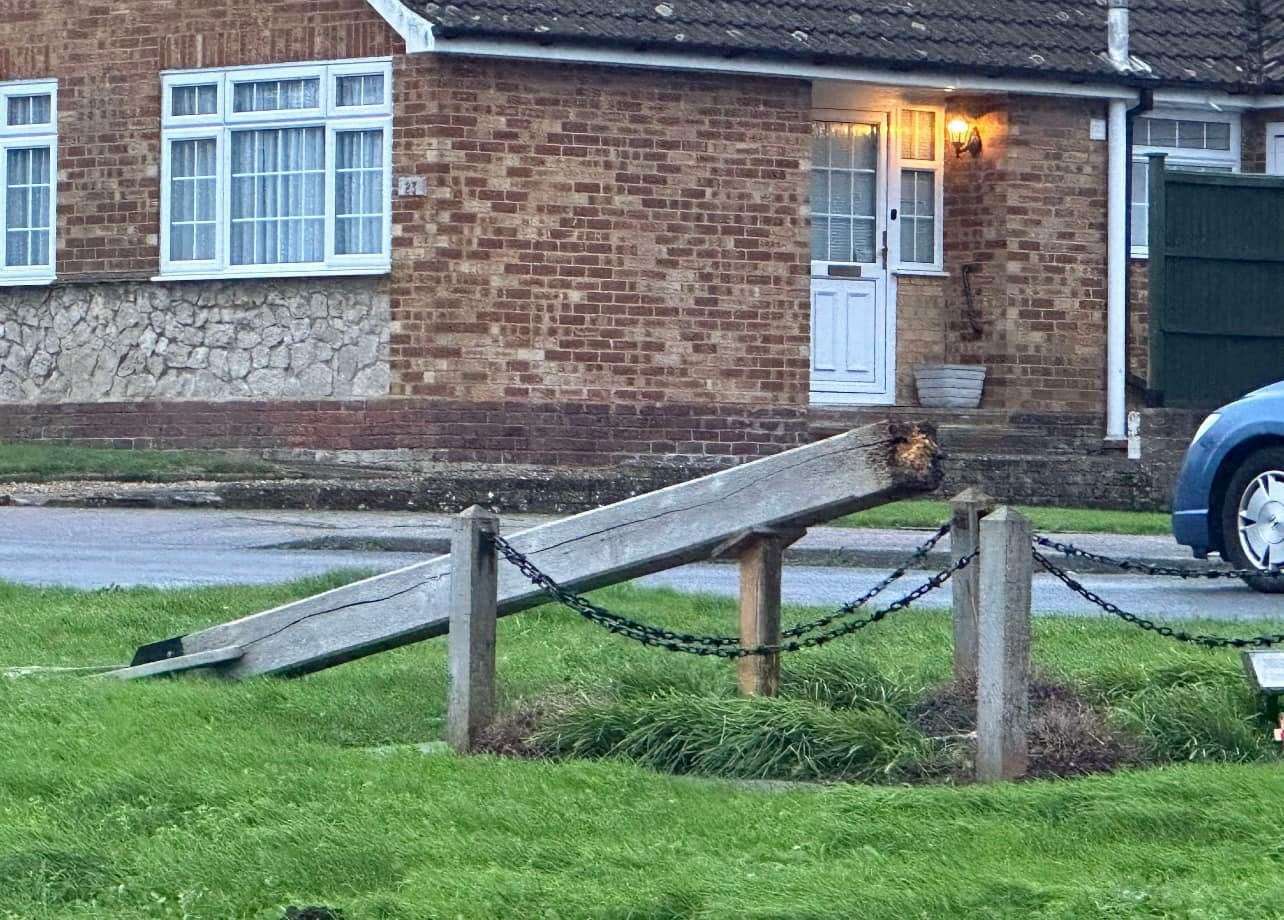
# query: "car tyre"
[[1257, 486]]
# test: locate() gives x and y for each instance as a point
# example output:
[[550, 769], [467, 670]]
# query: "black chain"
[[1127, 565], [729, 646], [852, 606], [1168, 632]]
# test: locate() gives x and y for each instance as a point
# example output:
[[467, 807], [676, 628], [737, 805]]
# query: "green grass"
[[199, 799], [41, 462], [930, 514]]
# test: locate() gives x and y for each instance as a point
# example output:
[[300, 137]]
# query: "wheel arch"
[[1221, 481]]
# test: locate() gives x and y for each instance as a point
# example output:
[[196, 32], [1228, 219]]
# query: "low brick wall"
[[552, 434]]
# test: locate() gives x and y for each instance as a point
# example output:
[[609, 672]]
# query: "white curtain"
[[27, 191], [278, 196], [358, 194], [192, 218]]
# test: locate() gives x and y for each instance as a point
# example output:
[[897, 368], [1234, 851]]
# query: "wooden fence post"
[[473, 610], [761, 553], [967, 509], [1003, 682]]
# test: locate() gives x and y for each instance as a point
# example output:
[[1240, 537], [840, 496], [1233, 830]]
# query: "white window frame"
[[935, 166], [1176, 157], [332, 119], [1274, 164], [24, 137]]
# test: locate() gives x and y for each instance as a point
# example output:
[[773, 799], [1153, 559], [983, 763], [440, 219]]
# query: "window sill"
[[269, 275], [919, 273], [26, 280]]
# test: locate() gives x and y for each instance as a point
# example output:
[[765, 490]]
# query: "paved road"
[[1158, 599], [89, 548]]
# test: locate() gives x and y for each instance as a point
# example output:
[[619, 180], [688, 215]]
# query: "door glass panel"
[[844, 192]]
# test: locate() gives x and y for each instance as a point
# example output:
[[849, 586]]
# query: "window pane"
[[918, 138], [820, 238], [192, 200], [30, 110], [840, 192], [1162, 132], [359, 198], [1140, 225], [864, 199], [194, 100], [865, 146], [1190, 134], [1219, 135], [277, 95], [1140, 183], [27, 194], [819, 144], [863, 248], [278, 200], [360, 89]]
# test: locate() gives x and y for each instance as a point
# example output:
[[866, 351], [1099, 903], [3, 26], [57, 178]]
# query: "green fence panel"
[[1216, 285]]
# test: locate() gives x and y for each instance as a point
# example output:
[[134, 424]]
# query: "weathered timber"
[[206, 658], [760, 563], [863, 468], [473, 582]]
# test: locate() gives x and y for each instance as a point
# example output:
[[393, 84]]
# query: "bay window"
[[280, 171], [28, 179]]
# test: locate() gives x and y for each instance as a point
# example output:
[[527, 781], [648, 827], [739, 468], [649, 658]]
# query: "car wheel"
[[1253, 518]]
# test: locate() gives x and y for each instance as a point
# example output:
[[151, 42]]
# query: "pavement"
[[93, 548]]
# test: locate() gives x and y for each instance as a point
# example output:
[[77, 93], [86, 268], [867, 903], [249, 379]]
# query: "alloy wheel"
[[1261, 520]]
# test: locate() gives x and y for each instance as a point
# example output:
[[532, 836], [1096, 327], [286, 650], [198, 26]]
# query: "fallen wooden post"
[[863, 468], [470, 704], [1003, 681], [967, 508]]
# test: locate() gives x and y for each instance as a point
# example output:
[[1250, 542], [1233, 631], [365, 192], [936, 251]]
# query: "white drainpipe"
[[1117, 234], [1117, 273]]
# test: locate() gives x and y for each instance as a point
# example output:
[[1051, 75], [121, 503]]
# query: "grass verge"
[[213, 801], [47, 462], [924, 514]]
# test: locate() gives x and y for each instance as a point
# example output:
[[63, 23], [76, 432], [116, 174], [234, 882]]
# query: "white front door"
[[852, 348]]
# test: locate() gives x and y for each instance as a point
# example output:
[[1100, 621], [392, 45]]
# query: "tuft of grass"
[[779, 739], [40, 462], [926, 515]]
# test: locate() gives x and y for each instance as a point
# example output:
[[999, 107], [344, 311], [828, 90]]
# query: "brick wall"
[[107, 58], [707, 435], [600, 235], [1030, 214]]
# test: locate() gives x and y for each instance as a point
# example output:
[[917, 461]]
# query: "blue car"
[[1230, 494]]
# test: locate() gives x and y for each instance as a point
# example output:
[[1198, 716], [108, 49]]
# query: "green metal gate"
[[1216, 285]]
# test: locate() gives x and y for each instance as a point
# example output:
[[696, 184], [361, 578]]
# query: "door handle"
[[883, 251]]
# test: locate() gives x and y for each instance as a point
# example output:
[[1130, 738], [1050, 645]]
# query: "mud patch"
[[1068, 737]]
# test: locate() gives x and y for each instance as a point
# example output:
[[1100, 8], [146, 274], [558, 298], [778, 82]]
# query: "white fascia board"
[[589, 54], [961, 82], [413, 28]]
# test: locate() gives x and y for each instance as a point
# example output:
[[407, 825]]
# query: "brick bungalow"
[[573, 232]]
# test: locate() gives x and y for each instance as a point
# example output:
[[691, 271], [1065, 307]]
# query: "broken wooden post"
[[761, 553], [967, 509], [1003, 681], [473, 602], [863, 468]]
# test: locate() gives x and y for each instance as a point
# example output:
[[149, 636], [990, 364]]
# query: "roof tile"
[[1200, 42]]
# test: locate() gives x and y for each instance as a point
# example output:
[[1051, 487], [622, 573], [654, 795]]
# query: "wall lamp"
[[964, 136]]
